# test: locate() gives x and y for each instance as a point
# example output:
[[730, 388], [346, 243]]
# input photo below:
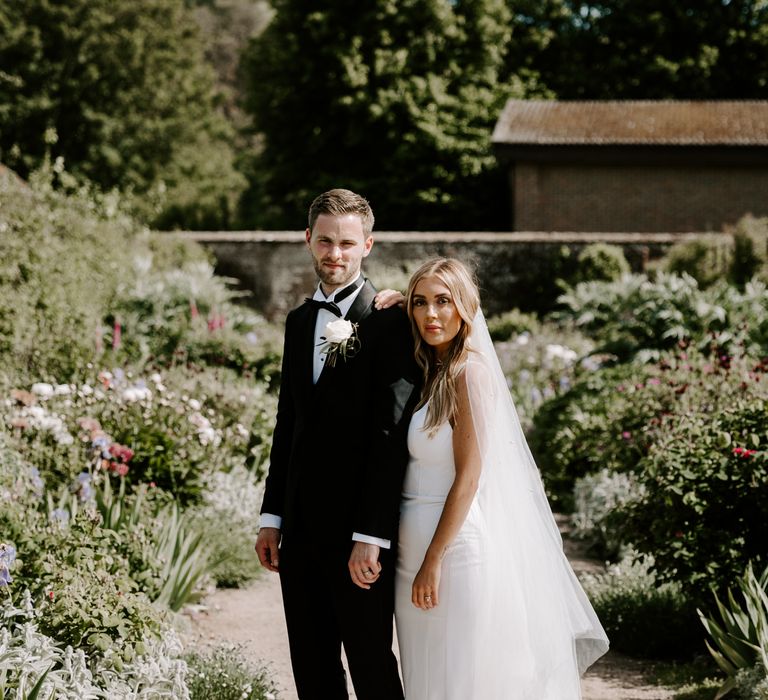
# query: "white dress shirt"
[[323, 318]]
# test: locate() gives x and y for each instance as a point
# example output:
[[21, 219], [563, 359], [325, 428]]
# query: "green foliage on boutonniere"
[[340, 341]]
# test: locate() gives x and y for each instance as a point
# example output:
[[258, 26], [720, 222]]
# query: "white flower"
[[523, 338], [199, 420], [86, 390], [156, 378], [338, 331], [62, 390], [563, 353], [43, 390], [36, 412], [136, 393], [242, 431], [194, 404], [64, 438], [208, 436], [252, 338]]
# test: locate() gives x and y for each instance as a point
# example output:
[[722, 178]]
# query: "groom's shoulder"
[[390, 325]]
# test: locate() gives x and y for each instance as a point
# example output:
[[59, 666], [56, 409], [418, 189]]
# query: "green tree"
[[652, 49], [120, 90], [393, 98]]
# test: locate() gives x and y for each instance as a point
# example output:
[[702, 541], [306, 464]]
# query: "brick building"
[[634, 166]]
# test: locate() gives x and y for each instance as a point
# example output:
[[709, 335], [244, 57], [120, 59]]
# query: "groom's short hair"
[[339, 202]]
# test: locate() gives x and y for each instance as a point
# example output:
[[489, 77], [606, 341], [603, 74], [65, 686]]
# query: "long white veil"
[[534, 611]]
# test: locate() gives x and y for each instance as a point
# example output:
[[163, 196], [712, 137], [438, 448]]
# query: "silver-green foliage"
[[596, 496], [35, 665]]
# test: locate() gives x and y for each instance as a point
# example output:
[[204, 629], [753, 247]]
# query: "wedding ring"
[[427, 598], [368, 572]]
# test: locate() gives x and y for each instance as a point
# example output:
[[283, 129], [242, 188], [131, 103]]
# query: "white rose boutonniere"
[[341, 339]]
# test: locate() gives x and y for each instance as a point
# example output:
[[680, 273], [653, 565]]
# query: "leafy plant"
[[706, 259], [642, 616], [596, 498], [600, 261], [235, 678], [739, 635], [638, 318], [513, 322], [705, 482], [184, 555]]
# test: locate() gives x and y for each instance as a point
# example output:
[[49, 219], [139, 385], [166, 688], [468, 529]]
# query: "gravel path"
[[253, 617]]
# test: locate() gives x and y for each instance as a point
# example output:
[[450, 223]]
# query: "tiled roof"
[[548, 122]]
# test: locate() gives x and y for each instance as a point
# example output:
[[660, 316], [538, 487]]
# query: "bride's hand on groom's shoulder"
[[389, 297]]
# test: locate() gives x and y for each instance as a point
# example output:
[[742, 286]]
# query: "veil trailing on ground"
[[533, 608]]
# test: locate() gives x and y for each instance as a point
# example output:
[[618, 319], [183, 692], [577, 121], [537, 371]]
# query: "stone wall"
[[513, 269]]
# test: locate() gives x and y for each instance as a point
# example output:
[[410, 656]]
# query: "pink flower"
[[120, 452], [117, 332], [626, 435]]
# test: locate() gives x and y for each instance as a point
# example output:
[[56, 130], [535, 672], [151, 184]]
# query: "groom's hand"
[[267, 547], [364, 567]]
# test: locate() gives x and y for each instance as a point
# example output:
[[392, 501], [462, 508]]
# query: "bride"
[[487, 605]]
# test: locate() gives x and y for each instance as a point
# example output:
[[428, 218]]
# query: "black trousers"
[[324, 609]]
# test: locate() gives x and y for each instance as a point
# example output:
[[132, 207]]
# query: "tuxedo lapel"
[[363, 304], [360, 309]]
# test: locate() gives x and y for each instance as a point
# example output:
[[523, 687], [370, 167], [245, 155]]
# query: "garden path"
[[253, 618]]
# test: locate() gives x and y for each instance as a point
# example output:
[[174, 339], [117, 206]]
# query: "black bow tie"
[[332, 306], [327, 305]]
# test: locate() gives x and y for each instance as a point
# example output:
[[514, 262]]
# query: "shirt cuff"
[[367, 539], [269, 520]]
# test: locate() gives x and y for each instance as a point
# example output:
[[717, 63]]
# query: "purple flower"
[[38, 485], [7, 557], [60, 515], [82, 486]]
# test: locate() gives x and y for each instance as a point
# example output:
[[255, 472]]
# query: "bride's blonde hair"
[[440, 377]]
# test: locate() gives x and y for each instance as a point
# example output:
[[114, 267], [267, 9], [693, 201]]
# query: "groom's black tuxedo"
[[338, 458]]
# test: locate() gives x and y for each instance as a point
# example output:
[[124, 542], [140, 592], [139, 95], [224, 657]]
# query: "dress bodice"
[[431, 469]]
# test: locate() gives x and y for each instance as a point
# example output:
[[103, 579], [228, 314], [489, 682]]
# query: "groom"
[[331, 500]]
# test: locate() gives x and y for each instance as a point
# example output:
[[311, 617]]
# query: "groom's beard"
[[337, 276]]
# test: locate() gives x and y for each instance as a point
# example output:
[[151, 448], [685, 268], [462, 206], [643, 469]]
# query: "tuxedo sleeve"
[[394, 384], [282, 438]]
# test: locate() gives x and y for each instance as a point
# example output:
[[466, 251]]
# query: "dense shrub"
[[186, 315], [703, 510], [641, 616], [600, 261], [513, 322], [639, 318], [707, 259], [605, 421], [61, 264], [78, 574], [692, 431]]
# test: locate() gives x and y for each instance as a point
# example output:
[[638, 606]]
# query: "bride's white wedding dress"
[[434, 643], [512, 623]]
